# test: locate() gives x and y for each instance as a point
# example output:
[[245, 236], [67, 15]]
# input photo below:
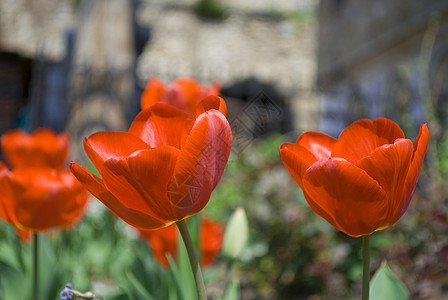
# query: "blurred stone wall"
[[29, 28], [102, 75], [273, 42]]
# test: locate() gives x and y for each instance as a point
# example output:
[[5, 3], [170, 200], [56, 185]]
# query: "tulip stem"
[[35, 266], [200, 286], [365, 267]]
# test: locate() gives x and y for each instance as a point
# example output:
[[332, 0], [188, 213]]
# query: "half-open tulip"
[[164, 241], [41, 148], [364, 180], [37, 199], [184, 93], [164, 168]]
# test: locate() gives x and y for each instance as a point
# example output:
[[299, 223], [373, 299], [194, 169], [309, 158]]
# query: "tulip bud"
[[236, 234]]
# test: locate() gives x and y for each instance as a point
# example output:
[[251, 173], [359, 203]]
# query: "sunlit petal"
[[162, 125], [153, 93], [388, 165], [211, 102], [140, 182], [354, 202], [297, 160], [104, 145], [131, 216], [201, 163], [362, 137]]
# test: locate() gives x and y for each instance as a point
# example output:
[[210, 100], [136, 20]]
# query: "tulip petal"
[[41, 148], [388, 165], [346, 196], [201, 163], [189, 92], [96, 187], [211, 102], [140, 182], [6, 197], [420, 146], [104, 145], [162, 125], [297, 160], [154, 91], [319, 144], [54, 146], [363, 136]]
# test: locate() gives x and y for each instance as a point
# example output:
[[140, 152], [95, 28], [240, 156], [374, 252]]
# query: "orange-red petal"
[[96, 187], [54, 146], [346, 196], [188, 93], [6, 196], [41, 148], [154, 92], [420, 146], [211, 102], [319, 144], [388, 165], [162, 125], [43, 199], [162, 242], [363, 136], [297, 160], [310, 147], [140, 181], [201, 163], [211, 237], [104, 145]]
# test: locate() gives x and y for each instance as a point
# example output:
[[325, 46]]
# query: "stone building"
[[382, 58]]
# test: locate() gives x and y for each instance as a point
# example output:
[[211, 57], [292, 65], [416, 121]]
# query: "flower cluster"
[[38, 192], [67, 293]]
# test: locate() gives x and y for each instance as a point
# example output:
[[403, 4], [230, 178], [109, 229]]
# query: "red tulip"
[[363, 181], [164, 168], [37, 199], [42, 148], [211, 234], [164, 241], [184, 93]]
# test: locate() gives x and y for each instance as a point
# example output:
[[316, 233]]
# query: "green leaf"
[[386, 285], [232, 290], [14, 284], [185, 271], [138, 286], [177, 277]]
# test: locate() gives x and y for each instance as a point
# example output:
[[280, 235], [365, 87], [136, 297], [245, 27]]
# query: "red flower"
[[164, 168], [37, 199], [361, 182], [41, 148], [163, 241], [211, 240], [184, 93]]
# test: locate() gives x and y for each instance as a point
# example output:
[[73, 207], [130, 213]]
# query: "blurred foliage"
[[209, 9]]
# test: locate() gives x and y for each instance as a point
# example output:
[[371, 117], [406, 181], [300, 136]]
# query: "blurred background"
[[284, 67]]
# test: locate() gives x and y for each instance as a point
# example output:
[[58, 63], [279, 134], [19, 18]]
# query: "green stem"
[[365, 267], [200, 287], [35, 266]]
